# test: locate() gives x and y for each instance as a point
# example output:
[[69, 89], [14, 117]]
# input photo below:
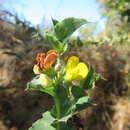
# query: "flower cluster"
[[74, 70]]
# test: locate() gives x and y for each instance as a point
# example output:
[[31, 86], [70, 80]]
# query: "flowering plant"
[[66, 81]]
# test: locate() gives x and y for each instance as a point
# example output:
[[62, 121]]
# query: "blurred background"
[[104, 42]]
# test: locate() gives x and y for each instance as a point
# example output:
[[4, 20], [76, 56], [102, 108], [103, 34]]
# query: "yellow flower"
[[44, 80], [75, 70]]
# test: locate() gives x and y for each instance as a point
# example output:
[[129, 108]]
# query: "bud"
[[44, 80], [57, 67]]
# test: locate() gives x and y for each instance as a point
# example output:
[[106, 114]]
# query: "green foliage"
[[82, 103], [62, 32], [65, 107], [55, 43], [78, 92], [119, 5], [117, 13], [48, 122], [44, 123], [65, 29]]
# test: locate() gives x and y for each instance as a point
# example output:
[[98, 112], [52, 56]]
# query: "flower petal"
[[83, 69], [51, 51], [73, 75], [72, 63], [40, 60], [50, 59]]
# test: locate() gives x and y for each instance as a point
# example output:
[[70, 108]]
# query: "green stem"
[[57, 105]]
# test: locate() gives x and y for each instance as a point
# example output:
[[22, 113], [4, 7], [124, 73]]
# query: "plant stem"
[[57, 105]]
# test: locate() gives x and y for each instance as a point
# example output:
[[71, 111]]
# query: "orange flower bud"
[[45, 61]]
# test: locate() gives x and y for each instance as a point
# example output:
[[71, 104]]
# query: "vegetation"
[[118, 20], [67, 84], [107, 53]]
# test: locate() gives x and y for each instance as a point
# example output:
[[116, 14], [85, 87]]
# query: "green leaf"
[[52, 40], [54, 21], [48, 117], [65, 28], [34, 85], [44, 123], [83, 103], [64, 119], [89, 81], [65, 125], [55, 43], [41, 125], [48, 122], [78, 92]]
